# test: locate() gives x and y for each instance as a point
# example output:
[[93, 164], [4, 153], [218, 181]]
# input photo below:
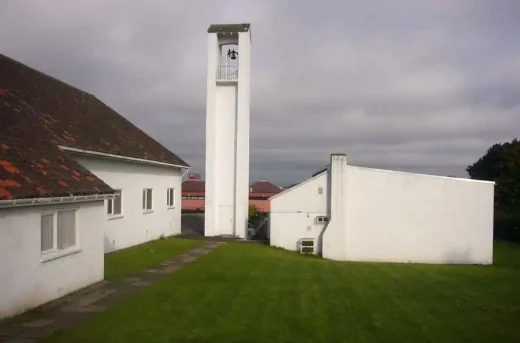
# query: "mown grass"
[[251, 293], [122, 263]]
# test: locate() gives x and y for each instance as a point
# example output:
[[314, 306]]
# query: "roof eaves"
[[120, 157]]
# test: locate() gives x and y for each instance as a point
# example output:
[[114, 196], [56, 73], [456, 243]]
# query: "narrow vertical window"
[[170, 197]]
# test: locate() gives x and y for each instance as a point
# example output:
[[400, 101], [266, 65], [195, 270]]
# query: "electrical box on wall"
[[321, 219]]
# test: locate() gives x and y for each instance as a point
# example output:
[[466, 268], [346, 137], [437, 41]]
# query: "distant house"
[[351, 213], [193, 194], [76, 180], [260, 192]]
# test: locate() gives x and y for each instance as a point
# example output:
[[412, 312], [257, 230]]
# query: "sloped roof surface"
[[33, 167], [195, 186], [37, 114], [78, 119], [264, 186]]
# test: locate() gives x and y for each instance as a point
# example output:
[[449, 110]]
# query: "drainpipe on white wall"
[[333, 241]]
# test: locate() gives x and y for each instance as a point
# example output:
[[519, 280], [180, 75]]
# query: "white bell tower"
[[227, 130]]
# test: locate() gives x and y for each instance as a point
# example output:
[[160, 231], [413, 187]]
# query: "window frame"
[[110, 204], [55, 252], [170, 199], [144, 202]]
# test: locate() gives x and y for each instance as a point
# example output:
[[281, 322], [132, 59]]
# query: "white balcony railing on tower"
[[227, 73]]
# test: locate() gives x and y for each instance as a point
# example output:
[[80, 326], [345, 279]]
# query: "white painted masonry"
[[380, 215], [26, 281], [134, 225], [227, 135], [294, 211]]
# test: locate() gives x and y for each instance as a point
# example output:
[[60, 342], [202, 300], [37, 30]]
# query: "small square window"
[[58, 231], [320, 190], [147, 199], [170, 197]]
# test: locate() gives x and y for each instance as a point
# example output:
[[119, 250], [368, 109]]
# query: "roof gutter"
[[54, 200], [119, 157]]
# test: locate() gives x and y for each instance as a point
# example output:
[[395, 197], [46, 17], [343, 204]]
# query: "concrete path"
[[77, 307]]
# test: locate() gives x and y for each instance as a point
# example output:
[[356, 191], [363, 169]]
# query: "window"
[[170, 197], [114, 206], [58, 231], [321, 219], [147, 199], [320, 190]]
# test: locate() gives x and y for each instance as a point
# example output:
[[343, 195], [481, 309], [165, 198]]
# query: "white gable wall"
[[134, 226], [404, 217], [294, 211], [380, 215], [26, 281]]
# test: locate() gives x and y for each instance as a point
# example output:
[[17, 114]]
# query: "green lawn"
[[126, 262], [251, 293]]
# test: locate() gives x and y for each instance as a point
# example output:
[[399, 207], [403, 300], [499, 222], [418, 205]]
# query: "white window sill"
[[52, 255], [171, 207], [147, 211], [115, 216]]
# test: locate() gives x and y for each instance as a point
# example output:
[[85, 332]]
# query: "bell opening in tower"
[[228, 62]]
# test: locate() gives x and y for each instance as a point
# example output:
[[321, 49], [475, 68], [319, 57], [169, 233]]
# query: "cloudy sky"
[[421, 86]]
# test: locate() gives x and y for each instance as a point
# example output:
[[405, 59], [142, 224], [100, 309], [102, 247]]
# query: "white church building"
[[77, 180], [349, 213]]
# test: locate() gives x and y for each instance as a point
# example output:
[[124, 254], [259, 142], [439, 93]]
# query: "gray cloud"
[[418, 86]]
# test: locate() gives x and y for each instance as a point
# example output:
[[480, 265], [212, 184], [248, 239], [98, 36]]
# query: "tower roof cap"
[[229, 28]]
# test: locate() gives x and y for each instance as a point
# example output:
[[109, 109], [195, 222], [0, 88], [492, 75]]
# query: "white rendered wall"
[[404, 217], [134, 226], [294, 211], [227, 142], [212, 144], [243, 114], [333, 242], [226, 112], [25, 281]]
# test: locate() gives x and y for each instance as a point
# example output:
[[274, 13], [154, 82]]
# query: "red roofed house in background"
[[260, 192], [76, 180], [193, 194]]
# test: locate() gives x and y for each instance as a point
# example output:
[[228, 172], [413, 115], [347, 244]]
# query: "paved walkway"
[[77, 307]]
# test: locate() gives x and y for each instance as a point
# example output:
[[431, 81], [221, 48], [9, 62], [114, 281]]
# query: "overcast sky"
[[421, 86]]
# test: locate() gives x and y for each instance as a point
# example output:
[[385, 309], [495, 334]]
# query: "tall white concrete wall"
[[226, 112], [211, 215], [404, 217], [135, 226], [26, 281], [333, 242], [294, 211], [242, 152], [227, 140]]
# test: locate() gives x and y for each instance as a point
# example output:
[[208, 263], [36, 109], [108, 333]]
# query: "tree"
[[501, 164]]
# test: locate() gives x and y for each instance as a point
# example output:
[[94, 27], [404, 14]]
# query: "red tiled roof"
[[37, 114], [78, 119], [33, 167], [194, 186], [264, 186]]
